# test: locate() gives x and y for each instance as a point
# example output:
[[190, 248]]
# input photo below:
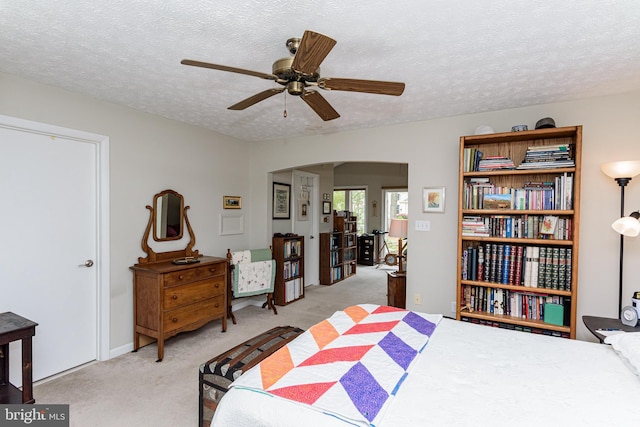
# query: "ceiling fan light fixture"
[[295, 88]]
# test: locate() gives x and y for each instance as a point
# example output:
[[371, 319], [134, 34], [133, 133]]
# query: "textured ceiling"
[[455, 56]]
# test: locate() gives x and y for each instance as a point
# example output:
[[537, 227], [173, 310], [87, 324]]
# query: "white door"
[[48, 246], [306, 211]]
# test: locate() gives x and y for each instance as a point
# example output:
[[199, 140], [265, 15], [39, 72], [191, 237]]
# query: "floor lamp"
[[622, 172], [398, 229]]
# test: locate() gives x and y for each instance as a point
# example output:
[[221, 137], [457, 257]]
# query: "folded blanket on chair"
[[254, 272]]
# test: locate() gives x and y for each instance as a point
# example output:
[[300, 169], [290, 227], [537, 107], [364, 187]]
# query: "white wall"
[[431, 150], [148, 154]]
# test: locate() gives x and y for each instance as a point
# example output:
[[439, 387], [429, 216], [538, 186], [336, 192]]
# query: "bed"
[[463, 374]]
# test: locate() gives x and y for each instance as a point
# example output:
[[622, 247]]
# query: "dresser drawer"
[[193, 274], [177, 296], [192, 313]]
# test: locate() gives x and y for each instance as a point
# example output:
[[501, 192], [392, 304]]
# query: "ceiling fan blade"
[[368, 86], [230, 69], [255, 99], [314, 47], [319, 105]]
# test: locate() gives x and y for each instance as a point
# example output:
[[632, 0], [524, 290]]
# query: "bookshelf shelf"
[[518, 229], [288, 252], [501, 318], [339, 250]]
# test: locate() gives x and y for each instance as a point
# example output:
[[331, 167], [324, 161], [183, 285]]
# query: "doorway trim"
[[103, 264]]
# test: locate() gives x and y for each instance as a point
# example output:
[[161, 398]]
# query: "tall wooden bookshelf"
[[288, 252], [513, 270], [339, 250]]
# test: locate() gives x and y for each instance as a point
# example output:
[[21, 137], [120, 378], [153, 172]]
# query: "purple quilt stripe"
[[365, 392], [419, 323], [398, 350]]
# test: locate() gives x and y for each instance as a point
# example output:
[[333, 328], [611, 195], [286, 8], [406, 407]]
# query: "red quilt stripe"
[[365, 328], [306, 393], [342, 354], [386, 309]]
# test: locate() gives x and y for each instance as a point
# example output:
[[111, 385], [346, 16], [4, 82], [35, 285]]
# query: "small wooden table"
[[593, 323], [13, 328], [397, 289]]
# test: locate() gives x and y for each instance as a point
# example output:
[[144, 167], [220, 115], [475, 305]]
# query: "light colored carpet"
[[134, 390]]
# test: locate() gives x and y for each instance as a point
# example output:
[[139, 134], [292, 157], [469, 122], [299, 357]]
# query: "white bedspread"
[[473, 375]]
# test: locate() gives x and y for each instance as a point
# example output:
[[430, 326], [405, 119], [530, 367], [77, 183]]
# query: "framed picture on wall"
[[281, 201], [433, 199], [326, 208], [232, 202]]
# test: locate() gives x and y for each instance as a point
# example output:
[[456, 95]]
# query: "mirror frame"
[[153, 256], [157, 215]]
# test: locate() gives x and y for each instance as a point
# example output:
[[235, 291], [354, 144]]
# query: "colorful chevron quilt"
[[349, 365]]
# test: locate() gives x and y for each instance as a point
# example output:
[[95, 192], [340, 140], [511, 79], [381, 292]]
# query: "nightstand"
[[593, 323], [396, 289], [14, 328]]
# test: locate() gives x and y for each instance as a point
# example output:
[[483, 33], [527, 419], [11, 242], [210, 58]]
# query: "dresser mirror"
[[168, 219], [167, 216]]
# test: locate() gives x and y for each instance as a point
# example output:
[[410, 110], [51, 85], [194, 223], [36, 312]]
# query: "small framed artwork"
[[433, 199], [326, 208], [303, 210], [281, 201], [232, 202]]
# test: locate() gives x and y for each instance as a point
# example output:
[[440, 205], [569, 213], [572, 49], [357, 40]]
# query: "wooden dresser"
[[169, 298]]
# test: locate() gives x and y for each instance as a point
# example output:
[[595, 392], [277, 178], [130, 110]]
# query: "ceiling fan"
[[301, 71]]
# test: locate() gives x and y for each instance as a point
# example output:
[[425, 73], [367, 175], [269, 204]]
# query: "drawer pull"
[[217, 285], [181, 277], [213, 270], [217, 305], [174, 297], [174, 320]]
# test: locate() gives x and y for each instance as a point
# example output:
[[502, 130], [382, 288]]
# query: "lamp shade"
[[623, 169], [398, 228], [628, 225]]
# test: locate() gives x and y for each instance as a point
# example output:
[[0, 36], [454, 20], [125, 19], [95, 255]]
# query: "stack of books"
[[547, 157], [474, 226], [491, 163]]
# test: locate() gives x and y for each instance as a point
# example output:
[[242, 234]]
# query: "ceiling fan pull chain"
[[285, 105]]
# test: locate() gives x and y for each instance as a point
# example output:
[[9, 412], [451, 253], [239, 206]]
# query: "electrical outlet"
[[453, 306], [417, 299]]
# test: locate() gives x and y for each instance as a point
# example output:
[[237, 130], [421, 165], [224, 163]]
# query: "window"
[[354, 200]]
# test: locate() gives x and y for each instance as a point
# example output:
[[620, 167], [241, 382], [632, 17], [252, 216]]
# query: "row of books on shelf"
[[536, 157], [515, 327], [293, 289], [290, 269], [481, 193], [518, 226], [546, 308], [548, 267], [336, 273], [350, 240], [292, 248], [349, 269], [334, 258], [349, 255]]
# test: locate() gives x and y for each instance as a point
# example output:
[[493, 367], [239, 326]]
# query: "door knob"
[[87, 263]]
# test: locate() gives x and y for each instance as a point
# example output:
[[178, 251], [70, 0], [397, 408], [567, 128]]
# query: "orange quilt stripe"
[[274, 367], [356, 313], [323, 333]]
